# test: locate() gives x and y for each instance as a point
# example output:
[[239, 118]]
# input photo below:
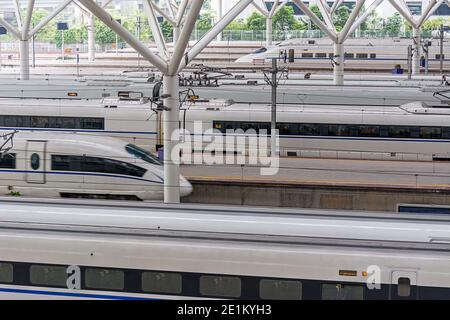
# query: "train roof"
[[81, 140], [71, 102], [288, 226], [416, 107]]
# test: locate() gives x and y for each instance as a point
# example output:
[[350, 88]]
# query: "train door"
[[404, 285], [35, 164]]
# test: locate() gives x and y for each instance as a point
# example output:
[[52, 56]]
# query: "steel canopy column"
[[171, 139], [219, 16], [338, 69], [24, 60], [91, 38], [269, 31], [176, 34], [416, 53]]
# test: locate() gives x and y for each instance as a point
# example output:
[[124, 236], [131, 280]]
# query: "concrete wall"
[[309, 196]]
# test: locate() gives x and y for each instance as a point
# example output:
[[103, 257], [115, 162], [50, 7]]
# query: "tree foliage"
[[393, 24], [340, 17], [256, 21], [205, 21], [285, 20]]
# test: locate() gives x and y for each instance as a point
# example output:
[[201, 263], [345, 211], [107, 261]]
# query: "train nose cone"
[[185, 187]]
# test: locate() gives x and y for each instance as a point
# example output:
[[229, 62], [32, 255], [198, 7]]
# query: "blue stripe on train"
[[76, 130], [72, 295], [82, 174], [281, 136]]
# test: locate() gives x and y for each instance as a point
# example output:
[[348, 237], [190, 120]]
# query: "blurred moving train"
[[43, 164], [359, 53], [84, 249], [414, 131]]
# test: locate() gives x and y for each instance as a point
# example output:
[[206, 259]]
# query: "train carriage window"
[[92, 123], [307, 129], [321, 55], [430, 133], [323, 130], [40, 122], [8, 161], [384, 131], [438, 57], [161, 282], [249, 126], [67, 163], [264, 126], [15, 121], [373, 56], [342, 292], [218, 286], [307, 55], [446, 133], [340, 130], [6, 273], [22, 121], [280, 289], [362, 55], [231, 125], [10, 121], [67, 123], [48, 275], [399, 132], [404, 287], [353, 130], [349, 55], [369, 131], [288, 128], [105, 279]]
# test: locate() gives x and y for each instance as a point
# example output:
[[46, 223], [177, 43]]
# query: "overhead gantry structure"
[[416, 24]]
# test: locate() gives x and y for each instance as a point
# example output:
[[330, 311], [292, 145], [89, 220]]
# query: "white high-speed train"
[[131, 120], [62, 249], [413, 131], [359, 53], [40, 164]]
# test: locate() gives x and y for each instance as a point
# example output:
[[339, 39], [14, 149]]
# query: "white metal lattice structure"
[[91, 27], [24, 32], [353, 22], [261, 7]]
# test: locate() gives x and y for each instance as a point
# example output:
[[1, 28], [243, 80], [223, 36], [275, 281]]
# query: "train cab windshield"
[[260, 50], [142, 154]]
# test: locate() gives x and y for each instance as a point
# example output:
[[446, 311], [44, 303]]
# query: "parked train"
[[413, 131], [359, 53], [62, 249], [43, 164]]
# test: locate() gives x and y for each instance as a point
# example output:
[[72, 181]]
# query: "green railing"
[[260, 35]]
